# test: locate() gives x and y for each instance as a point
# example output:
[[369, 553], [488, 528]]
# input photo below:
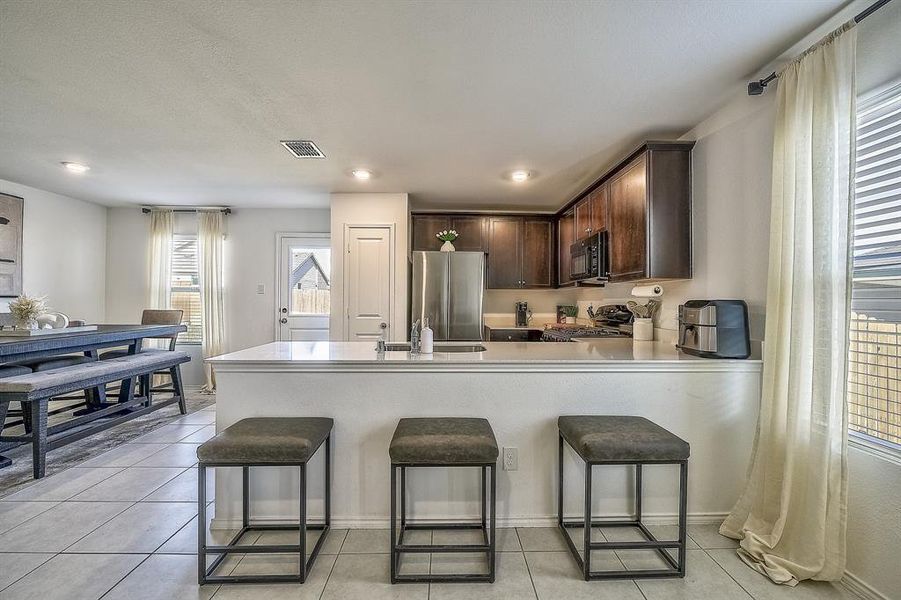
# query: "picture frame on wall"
[[11, 215]]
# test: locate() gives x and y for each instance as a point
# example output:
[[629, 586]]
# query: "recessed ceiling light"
[[76, 167], [519, 176], [361, 174]]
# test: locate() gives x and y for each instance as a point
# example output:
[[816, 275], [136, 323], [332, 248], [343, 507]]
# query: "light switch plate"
[[261, 288]]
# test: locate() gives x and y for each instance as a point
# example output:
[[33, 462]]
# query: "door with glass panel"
[[304, 276]]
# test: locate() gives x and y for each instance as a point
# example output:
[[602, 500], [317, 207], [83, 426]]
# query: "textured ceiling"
[[185, 102]]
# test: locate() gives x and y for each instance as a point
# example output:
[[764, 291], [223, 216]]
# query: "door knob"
[[283, 320], [284, 310], [383, 326]]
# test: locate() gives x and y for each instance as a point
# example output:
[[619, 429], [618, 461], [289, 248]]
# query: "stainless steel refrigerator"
[[447, 289]]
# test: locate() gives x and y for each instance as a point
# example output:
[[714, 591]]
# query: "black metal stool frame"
[[488, 526], [205, 575], [677, 567]]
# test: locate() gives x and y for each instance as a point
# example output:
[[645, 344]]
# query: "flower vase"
[[570, 320], [447, 247], [27, 324]]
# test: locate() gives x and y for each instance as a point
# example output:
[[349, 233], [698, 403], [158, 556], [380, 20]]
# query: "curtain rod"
[[189, 209], [756, 88]]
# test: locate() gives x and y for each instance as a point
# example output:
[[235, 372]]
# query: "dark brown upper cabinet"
[[649, 214], [590, 213], [628, 221], [473, 232], [424, 229], [521, 252], [598, 203], [505, 252], [566, 228], [538, 253], [471, 229], [582, 213]]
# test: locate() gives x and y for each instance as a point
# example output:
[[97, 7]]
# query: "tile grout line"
[[528, 567], [57, 503], [116, 471], [12, 583], [722, 568], [146, 558], [334, 563]]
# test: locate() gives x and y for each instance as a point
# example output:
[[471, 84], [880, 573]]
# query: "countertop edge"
[[569, 366]]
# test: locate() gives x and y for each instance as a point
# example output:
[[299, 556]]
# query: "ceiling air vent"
[[303, 149]]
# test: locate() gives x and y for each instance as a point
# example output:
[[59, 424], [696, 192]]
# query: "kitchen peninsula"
[[521, 388]]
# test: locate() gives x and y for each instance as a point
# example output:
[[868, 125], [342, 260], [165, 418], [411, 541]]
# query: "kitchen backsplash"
[[667, 321]]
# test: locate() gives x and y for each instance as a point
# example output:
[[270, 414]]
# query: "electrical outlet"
[[511, 459]]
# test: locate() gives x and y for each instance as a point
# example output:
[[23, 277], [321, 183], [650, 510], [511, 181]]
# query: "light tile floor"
[[123, 526]]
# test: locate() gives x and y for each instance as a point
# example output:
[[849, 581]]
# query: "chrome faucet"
[[415, 343]]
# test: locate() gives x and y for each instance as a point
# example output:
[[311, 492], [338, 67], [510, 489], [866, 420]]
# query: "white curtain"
[[160, 254], [210, 237], [791, 517]]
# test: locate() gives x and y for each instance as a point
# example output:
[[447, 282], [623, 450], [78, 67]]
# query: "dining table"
[[18, 349]]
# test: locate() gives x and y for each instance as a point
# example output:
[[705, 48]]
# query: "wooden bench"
[[34, 390]]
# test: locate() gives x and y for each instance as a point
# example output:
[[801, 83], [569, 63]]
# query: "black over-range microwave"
[[589, 258]]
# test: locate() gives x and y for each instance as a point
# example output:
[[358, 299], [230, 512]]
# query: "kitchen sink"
[[437, 348], [474, 348], [397, 347]]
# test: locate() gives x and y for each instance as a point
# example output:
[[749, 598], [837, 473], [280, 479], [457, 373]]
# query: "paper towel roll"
[[647, 291]]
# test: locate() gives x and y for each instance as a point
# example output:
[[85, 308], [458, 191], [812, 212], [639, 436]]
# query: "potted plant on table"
[[571, 313], [26, 309], [447, 236]]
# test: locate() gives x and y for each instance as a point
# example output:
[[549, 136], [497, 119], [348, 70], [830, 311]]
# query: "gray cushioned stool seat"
[[443, 441], [288, 440], [621, 438]]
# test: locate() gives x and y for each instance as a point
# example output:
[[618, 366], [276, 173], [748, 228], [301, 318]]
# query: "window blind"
[[874, 381], [186, 286]]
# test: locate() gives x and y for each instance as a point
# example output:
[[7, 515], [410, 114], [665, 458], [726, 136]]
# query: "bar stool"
[[264, 442], [443, 442], [622, 440]]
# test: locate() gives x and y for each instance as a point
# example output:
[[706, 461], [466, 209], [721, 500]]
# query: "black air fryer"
[[714, 329]]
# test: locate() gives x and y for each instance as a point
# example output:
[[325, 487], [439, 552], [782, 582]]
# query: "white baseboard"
[[859, 588], [544, 521]]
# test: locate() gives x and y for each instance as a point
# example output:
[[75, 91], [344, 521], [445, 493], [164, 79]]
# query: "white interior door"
[[368, 282], [304, 276]]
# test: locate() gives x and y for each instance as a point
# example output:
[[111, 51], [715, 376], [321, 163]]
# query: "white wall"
[[63, 251], [250, 260], [370, 209]]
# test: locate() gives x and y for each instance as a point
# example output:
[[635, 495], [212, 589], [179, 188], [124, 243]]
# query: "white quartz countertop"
[[589, 355]]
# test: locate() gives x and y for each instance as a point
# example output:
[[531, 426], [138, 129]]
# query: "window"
[[309, 281], [186, 286], [874, 374]]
